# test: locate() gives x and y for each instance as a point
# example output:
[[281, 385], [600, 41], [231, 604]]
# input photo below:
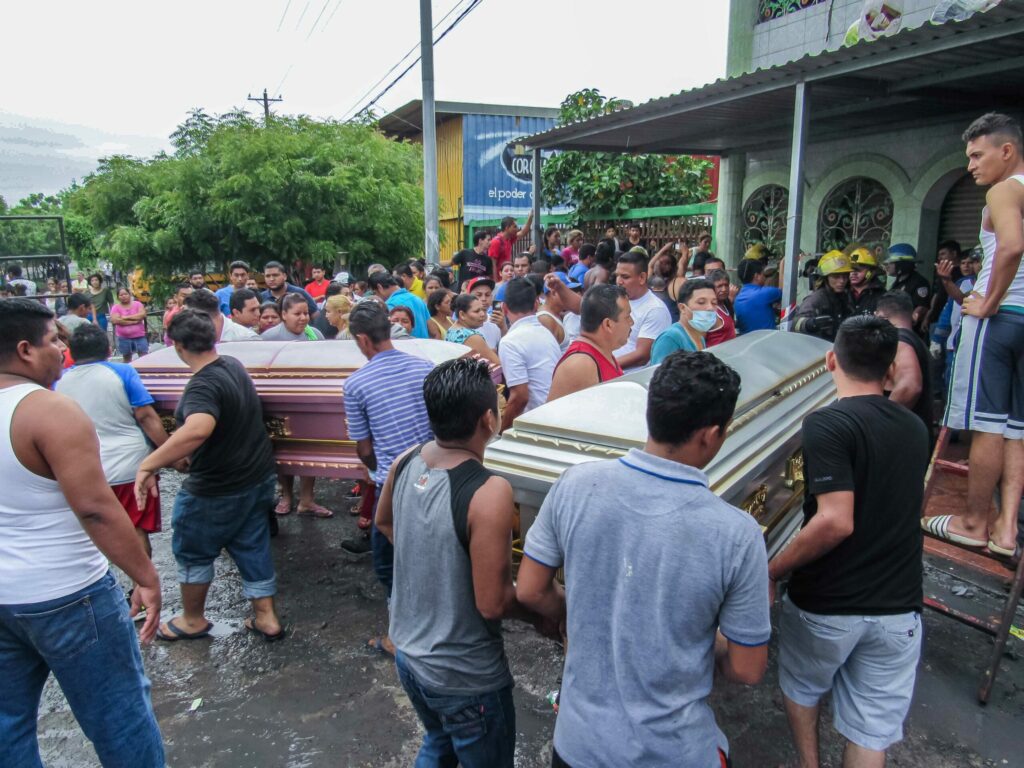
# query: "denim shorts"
[[204, 525], [868, 662], [139, 346]]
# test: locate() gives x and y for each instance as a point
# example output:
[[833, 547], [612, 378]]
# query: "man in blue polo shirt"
[[238, 274], [756, 302], [388, 290], [643, 652]]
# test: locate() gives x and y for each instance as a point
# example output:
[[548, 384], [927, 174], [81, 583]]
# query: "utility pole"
[[432, 245], [266, 101]]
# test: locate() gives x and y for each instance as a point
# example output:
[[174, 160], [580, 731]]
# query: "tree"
[[33, 238], [601, 183]]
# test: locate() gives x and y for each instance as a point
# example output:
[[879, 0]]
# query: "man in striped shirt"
[[386, 415]]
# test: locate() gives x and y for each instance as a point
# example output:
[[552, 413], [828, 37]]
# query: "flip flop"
[[283, 508], [317, 510], [377, 646], [938, 526], [250, 626], [177, 633], [995, 549]]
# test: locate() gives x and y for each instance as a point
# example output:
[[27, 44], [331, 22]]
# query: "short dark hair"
[[463, 302], [557, 263], [520, 295], [408, 313], [203, 300], [77, 300], [182, 287], [690, 391], [404, 270], [480, 236], [191, 274], [540, 267], [715, 275], [634, 225], [712, 258], [637, 260], [333, 289], [193, 329], [457, 394], [14, 270], [289, 300], [443, 275], [239, 297], [237, 265], [995, 124], [586, 251], [865, 347], [371, 320], [604, 252], [89, 342], [951, 245], [275, 265], [22, 320], [748, 270], [896, 303], [523, 255], [381, 280], [600, 303], [691, 286], [270, 305], [507, 222], [435, 300]]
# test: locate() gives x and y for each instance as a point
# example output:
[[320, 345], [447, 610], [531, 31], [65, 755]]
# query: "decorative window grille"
[[764, 218], [858, 210], [773, 9]]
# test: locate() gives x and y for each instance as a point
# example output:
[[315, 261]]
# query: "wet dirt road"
[[322, 698]]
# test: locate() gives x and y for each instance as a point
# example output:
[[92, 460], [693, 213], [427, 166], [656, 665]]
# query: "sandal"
[[316, 510], [177, 633], [995, 549], [250, 626], [378, 645], [938, 527], [283, 508]]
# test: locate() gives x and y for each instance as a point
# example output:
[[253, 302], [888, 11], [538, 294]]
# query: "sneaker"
[[358, 547]]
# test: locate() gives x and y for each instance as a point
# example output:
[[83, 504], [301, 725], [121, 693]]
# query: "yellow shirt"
[[417, 288]]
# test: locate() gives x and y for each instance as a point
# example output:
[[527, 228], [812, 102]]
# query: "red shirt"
[[501, 251], [317, 290], [606, 369], [726, 332]]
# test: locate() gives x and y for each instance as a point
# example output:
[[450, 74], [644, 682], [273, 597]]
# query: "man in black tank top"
[[450, 521], [910, 383]]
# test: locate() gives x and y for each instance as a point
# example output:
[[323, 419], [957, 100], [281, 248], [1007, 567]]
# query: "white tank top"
[[1015, 294], [566, 341], [45, 553]]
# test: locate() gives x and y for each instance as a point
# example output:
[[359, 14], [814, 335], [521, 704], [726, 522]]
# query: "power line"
[[331, 17], [399, 63], [318, 17], [473, 4], [302, 16], [287, 5]]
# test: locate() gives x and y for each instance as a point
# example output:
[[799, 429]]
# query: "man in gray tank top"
[[450, 521]]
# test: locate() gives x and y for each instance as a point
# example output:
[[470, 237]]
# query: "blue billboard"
[[496, 180]]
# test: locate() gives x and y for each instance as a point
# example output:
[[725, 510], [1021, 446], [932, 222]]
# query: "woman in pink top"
[[128, 317]]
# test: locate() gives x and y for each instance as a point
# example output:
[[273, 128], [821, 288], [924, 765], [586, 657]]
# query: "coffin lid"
[[769, 363], [274, 358]]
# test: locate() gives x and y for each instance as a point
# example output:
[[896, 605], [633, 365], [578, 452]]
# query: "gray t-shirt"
[[280, 333], [654, 564], [71, 322]]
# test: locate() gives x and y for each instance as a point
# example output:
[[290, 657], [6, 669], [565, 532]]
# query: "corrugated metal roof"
[[931, 72], [407, 120]]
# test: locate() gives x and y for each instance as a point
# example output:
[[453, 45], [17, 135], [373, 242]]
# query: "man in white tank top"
[[61, 610], [986, 394]]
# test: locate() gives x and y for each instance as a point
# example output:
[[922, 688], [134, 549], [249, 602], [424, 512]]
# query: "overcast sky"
[[127, 72]]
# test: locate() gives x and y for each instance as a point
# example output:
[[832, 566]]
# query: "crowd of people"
[[641, 652]]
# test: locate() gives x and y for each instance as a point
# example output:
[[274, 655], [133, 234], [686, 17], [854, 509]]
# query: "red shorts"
[[147, 519]]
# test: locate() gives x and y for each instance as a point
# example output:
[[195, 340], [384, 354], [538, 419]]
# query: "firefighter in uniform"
[[866, 281], [902, 264], [821, 313]]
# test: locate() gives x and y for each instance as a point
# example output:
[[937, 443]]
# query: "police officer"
[[902, 264], [866, 281], [821, 313]]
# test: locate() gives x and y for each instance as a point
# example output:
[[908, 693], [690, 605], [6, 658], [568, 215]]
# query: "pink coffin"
[[301, 385]]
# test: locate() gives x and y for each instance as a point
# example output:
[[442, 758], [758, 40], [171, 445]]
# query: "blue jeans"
[[204, 525], [471, 731], [88, 641]]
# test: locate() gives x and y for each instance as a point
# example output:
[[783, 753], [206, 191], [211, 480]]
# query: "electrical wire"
[[302, 15], [287, 5], [350, 114], [331, 17], [318, 17]]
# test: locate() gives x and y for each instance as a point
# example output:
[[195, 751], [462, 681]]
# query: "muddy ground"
[[321, 698]]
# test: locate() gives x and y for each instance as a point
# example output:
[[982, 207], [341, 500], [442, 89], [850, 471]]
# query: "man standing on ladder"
[[986, 394]]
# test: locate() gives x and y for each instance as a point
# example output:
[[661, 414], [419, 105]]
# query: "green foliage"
[[600, 183], [33, 238], [294, 189]]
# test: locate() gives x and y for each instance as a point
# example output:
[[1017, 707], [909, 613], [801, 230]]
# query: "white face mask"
[[703, 320]]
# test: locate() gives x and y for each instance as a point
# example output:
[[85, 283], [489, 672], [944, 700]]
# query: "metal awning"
[[952, 70], [406, 122]]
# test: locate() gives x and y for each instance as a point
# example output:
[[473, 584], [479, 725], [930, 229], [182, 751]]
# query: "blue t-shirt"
[[754, 308], [402, 298], [578, 271], [672, 339], [655, 563], [224, 295]]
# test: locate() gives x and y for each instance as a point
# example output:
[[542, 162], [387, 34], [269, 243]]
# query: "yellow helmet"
[[863, 257], [833, 263], [756, 252]]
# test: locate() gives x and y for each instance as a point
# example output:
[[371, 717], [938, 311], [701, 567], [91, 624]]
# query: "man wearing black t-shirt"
[[224, 500], [474, 262], [851, 620]]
